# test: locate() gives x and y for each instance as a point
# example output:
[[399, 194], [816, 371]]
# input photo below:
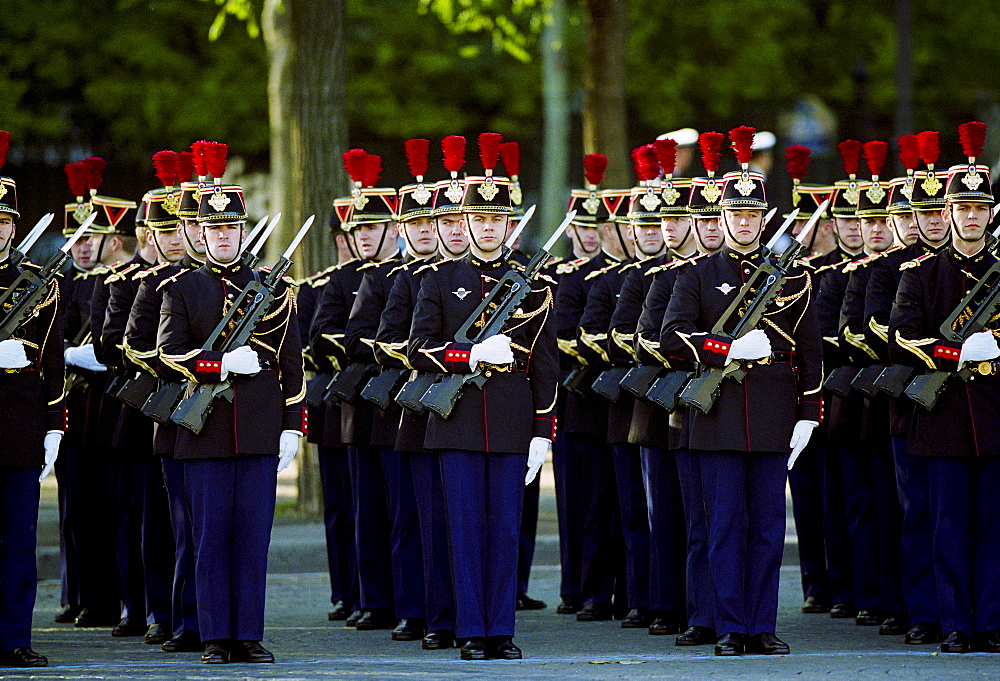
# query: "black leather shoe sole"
[[696, 636]]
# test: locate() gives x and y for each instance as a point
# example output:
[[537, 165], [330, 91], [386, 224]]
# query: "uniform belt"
[[268, 365], [31, 367], [516, 365], [775, 358], [985, 368]]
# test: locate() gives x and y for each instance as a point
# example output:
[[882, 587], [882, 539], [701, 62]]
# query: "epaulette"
[[632, 265], [571, 266], [554, 260], [603, 270], [174, 277], [406, 266], [429, 266], [916, 262], [321, 273], [81, 275], [545, 277], [831, 266], [122, 274], [374, 263], [149, 270]]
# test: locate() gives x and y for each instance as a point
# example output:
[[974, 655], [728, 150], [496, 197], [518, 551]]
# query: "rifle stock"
[[347, 383], [409, 395], [380, 389], [193, 411], [894, 379], [840, 380], [666, 391], [609, 383], [161, 404], [639, 379], [864, 382], [137, 390]]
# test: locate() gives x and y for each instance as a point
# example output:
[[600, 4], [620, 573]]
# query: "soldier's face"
[[421, 236], [905, 227], [452, 234], [170, 243], [587, 237], [373, 238], [83, 253], [744, 226], [875, 233], [7, 228], [676, 230], [970, 219], [487, 230], [848, 233], [709, 233], [223, 241], [195, 237], [932, 225], [648, 239]]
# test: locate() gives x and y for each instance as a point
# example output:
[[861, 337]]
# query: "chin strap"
[[212, 258]]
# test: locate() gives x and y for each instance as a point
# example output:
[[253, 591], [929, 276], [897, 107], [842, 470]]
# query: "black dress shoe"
[[184, 642], [814, 605], [23, 657], [987, 642], [594, 612], [375, 619], [665, 624], [767, 644], [352, 620], [842, 611], [956, 642], [439, 640], [156, 634], [128, 627], [637, 618], [250, 651], [474, 649], [339, 611], [731, 644], [526, 602], [409, 629], [570, 605], [68, 614], [502, 648], [696, 636], [867, 618], [89, 617], [923, 632], [215, 653], [893, 625]]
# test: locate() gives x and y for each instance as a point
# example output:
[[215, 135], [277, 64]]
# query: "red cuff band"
[[714, 345]]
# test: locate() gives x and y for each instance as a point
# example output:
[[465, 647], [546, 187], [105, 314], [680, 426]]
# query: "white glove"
[[800, 438], [754, 345], [242, 360], [978, 347], [12, 354], [84, 358], [538, 450], [493, 350], [52, 440], [288, 445]]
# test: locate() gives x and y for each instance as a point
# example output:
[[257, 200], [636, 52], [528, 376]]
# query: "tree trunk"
[[557, 126], [605, 128]]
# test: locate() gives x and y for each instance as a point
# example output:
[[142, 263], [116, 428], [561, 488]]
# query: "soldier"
[[963, 467], [32, 389], [743, 440], [496, 432], [230, 468]]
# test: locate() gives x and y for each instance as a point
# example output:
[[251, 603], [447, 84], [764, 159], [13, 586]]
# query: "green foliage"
[[512, 25], [244, 10]]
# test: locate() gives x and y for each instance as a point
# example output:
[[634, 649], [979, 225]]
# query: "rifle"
[[494, 311], [575, 380], [138, 389], [316, 388], [666, 391], [346, 383], [894, 379], [864, 382], [234, 330], [840, 380], [609, 383], [767, 280], [409, 395], [161, 404], [380, 389], [640, 378]]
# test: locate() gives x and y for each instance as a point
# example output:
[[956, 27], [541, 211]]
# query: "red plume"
[[4, 145], [875, 153], [909, 152], [510, 153], [453, 147], [973, 137], [741, 139], [711, 149], [647, 168], [666, 155], [850, 151], [200, 162], [165, 164], [185, 166], [417, 151], [373, 170], [356, 164], [930, 149], [76, 176], [489, 149], [797, 161], [637, 164], [95, 172], [215, 159], [594, 166]]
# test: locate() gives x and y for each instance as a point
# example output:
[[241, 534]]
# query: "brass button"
[[488, 373]]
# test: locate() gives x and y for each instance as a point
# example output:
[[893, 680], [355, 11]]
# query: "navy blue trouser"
[[569, 509], [371, 528], [232, 509], [745, 499], [667, 534], [18, 574], [634, 514], [128, 472], [69, 558], [700, 590], [158, 544], [806, 483], [184, 599], [338, 521], [529, 528], [862, 522], [600, 561], [483, 496], [439, 592], [838, 539], [404, 535], [916, 553], [964, 508], [889, 525]]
